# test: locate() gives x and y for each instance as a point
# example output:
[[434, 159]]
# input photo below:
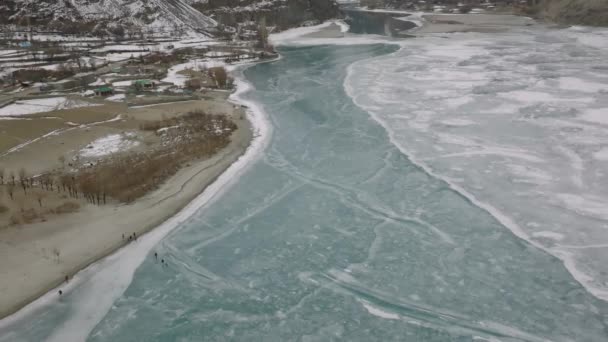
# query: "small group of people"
[[132, 237], [66, 280], [162, 261]]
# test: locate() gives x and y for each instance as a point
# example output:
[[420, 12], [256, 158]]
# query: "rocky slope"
[[280, 13], [116, 16], [131, 17]]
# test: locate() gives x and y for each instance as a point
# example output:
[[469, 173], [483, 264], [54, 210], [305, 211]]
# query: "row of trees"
[[48, 182], [11, 181]]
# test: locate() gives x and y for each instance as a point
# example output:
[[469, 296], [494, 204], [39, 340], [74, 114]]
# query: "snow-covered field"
[[122, 47], [122, 56], [26, 107]]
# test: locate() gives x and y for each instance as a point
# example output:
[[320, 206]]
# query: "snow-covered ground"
[[122, 47], [122, 56], [26, 107], [109, 144], [195, 64], [7, 53], [116, 98], [122, 83]]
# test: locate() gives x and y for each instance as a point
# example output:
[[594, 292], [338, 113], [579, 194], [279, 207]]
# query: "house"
[[104, 91], [144, 84]]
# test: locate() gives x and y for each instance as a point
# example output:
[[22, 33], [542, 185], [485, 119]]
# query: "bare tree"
[[220, 75], [23, 179], [40, 196], [49, 182], [58, 181]]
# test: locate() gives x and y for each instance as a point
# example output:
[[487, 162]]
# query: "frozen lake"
[[439, 205]]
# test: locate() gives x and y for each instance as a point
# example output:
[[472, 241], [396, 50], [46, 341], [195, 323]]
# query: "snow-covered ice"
[[517, 121]]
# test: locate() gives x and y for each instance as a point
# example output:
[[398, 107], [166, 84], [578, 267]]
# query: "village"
[[53, 63]]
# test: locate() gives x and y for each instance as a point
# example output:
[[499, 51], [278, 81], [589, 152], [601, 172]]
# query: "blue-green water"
[[335, 235], [332, 219]]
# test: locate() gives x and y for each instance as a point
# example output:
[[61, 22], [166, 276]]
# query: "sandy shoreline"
[[96, 232]]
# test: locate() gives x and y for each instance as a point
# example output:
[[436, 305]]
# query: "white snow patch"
[[379, 312], [588, 205], [122, 83], [537, 97], [549, 235], [289, 35], [458, 122], [164, 129], [117, 98], [596, 115], [601, 154], [344, 27], [577, 84], [109, 144], [459, 101], [174, 77]]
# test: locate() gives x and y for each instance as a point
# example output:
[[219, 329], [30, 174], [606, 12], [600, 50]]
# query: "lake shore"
[[37, 257], [96, 232]]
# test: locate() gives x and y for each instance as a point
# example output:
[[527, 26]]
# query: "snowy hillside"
[[149, 15], [281, 13]]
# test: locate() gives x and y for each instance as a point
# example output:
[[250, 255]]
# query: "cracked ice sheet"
[[512, 119]]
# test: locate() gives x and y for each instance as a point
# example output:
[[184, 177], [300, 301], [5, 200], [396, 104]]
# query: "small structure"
[[144, 84], [104, 91]]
